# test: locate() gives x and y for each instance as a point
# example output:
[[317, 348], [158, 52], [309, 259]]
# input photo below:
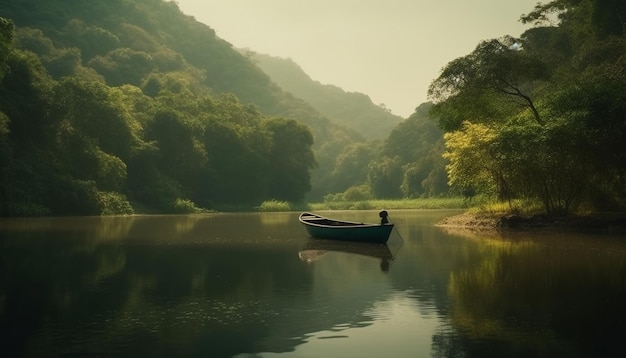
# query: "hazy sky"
[[390, 50]]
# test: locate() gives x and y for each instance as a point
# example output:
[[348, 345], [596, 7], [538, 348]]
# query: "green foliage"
[[564, 146], [123, 66], [471, 162], [496, 68], [385, 178], [429, 203], [7, 34], [179, 63], [92, 40], [71, 144], [185, 206], [290, 159], [113, 203], [103, 103], [4, 125], [352, 165], [275, 206], [357, 193], [517, 207]]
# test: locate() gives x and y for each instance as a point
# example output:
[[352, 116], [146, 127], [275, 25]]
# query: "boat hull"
[[325, 228]]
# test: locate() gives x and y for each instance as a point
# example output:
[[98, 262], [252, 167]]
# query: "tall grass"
[[517, 206], [432, 203], [476, 206]]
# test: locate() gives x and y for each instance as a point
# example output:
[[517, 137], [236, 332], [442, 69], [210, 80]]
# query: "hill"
[[108, 102], [352, 109]]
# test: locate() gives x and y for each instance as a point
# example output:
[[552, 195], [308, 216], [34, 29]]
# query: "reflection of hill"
[[222, 285]]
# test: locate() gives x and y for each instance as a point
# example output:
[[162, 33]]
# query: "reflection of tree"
[[208, 283], [448, 345], [552, 298]]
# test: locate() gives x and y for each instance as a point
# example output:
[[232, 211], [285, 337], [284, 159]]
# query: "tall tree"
[[291, 159], [480, 85], [7, 34]]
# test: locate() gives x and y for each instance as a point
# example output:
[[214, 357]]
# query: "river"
[[254, 285]]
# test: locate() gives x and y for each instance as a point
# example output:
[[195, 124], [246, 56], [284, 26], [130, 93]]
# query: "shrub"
[[113, 203], [185, 206], [275, 205], [358, 193]]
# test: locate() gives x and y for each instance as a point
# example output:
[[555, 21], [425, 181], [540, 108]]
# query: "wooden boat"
[[325, 228]]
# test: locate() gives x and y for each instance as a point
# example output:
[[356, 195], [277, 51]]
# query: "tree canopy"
[[106, 114], [543, 116], [110, 106]]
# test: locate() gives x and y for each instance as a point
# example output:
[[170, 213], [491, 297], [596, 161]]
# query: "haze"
[[390, 50]]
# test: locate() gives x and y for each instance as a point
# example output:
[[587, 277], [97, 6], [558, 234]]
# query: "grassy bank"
[[431, 203]]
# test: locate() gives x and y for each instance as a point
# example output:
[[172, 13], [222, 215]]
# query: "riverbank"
[[613, 223]]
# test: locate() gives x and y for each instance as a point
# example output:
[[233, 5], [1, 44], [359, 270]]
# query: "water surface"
[[254, 285]]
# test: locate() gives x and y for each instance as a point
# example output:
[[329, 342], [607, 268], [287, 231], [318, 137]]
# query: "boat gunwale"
[[349, 224]]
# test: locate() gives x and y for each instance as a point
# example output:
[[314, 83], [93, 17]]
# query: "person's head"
[[383, 216]]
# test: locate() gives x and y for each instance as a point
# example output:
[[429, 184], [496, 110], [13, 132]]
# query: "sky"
[[390, 50]]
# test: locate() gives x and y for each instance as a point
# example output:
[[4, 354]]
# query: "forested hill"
[[354, 110], [105, 103]]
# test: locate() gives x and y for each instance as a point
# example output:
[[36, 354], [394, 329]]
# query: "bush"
[[275, 205], [113, 203], [186, 206], [358, 193]]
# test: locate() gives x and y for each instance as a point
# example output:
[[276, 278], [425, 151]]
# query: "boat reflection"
[[315, 249]]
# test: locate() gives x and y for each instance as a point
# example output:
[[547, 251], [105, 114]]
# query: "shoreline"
[[612, 223]]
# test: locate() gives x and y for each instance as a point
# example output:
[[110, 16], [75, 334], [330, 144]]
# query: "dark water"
[[254, 285]]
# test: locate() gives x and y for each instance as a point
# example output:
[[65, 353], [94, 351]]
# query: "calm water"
[[254, 285]]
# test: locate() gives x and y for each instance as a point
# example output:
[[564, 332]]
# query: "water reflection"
[[542, 294], [239, 285], [314, 250], [396, 328]]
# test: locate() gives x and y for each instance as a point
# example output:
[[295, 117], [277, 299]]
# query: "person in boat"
[[383, 217]]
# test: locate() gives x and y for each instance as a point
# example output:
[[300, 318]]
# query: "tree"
[[351, 166], [7, 34], [594, 113], [92, 40], [238, 164], [181, 154], [385, 178], [472, 162], [123, 66], [97, 112], [291, 159], [478, 86]]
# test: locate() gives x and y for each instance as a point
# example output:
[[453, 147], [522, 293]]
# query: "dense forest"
[[542, 117], [107, 106], [122, 106]]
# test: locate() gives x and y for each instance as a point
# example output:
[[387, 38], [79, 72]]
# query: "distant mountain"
[[351, 109]]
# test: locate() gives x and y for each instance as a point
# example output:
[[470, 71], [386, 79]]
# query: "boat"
[[321, 227]]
